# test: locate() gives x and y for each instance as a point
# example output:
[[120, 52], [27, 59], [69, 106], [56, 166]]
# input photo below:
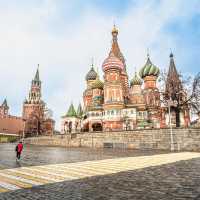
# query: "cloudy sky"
[[63, 36]]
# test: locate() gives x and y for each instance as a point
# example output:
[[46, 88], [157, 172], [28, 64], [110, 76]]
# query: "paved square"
[[34, 176]]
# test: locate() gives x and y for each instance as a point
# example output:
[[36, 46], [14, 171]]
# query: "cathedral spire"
[[173, 83], [115, 46], [4, 104], [37, 77], [172, 67]]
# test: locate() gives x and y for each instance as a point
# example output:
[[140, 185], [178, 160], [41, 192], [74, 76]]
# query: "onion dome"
[[136, 80], [112, 62], [97, 84], [149, 69], [114, 30], [91, 75]]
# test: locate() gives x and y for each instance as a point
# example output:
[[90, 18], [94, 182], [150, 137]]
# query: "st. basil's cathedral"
[[116, 104]]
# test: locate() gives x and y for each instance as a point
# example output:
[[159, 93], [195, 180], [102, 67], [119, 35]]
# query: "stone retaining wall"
[[184, 139]]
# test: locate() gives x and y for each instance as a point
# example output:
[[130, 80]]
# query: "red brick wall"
[[11, 124]]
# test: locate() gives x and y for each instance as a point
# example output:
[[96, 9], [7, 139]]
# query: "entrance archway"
[[86, 127], [97, 127]]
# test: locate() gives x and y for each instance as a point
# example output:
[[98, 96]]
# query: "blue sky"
[[63, 36]]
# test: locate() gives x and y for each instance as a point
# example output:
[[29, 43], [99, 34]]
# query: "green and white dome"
[[149, 69], [136, 80]]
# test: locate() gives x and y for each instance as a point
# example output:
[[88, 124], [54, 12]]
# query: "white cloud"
[[34, 35]]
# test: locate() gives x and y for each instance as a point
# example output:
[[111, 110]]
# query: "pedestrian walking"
[[18, 150]]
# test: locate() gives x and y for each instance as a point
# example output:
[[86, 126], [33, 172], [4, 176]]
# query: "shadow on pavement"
[[180, 180]]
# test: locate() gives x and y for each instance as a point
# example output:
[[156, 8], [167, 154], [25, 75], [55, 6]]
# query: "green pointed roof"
[[37, 77], [79, 111], [71, 111], [5, 104]]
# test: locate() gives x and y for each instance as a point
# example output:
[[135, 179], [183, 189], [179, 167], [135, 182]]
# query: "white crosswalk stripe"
[[20, 179], [9, 186]]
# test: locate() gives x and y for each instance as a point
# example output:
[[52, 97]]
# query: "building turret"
[[34, 109], [174, 91], [97, 94], [87, 94], [70, 121], [136, 95], [35, 92], [113, 91], [4, 109], [79, 111], [149, 73], [116, 51]]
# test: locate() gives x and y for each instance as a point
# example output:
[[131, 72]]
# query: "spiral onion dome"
[[149, 69], [112, 62], [91, 75], [136, 80], [97, 84]]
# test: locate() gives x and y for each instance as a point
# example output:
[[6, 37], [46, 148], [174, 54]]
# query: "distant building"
[[9, 124], [36, 122], [117, 104]]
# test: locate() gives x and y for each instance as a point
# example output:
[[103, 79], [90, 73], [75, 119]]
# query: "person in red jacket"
[[19, 149]]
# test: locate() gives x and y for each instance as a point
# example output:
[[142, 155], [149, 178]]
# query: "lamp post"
[[24, 124], [170, 125]]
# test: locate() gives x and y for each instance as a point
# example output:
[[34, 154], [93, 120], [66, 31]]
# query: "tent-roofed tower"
[[173, 82], [115, 51], [34, 110], [115, 46], [174, 91], [71, 111], [71, 121], [79, 111]]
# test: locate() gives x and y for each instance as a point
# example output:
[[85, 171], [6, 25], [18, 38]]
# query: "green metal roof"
[[71, 111], [79, 111], [5, 104]]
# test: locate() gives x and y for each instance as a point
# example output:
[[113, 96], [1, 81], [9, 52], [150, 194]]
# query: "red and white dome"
[[112, 62]]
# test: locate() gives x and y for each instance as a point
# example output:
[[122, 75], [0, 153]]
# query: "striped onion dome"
[[149, 69], [112, 62], [91, 75], [97, 84], [136, 80]]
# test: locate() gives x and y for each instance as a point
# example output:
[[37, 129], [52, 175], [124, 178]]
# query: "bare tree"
[[184, 93]]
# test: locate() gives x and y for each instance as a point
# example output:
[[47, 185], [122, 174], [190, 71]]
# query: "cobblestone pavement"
[[162, 176], [43, 155]]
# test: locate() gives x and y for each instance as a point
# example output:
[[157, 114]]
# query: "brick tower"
[[117, 53], [175, 92], [115, 86], [149, 73], [34, 110]]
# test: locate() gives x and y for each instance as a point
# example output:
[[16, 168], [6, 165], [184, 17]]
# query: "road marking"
[[8, 186], [18, 183], [49, 179], [20, 179], [30, 177], [26, 177]]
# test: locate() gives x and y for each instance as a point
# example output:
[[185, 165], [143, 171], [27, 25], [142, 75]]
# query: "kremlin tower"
[[34, 111]]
